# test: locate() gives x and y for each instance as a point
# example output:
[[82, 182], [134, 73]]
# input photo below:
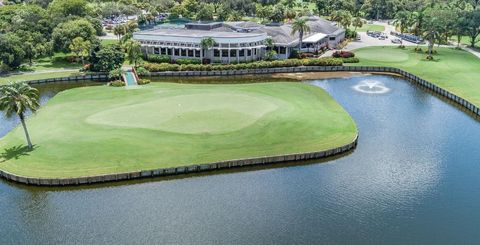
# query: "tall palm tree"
[[402, 20], [206, 44], [133, 50], [301, 27], [17, 98]]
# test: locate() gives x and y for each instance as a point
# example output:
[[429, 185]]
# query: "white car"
[[397, 40]]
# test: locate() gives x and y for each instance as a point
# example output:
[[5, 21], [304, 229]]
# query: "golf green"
[[104, 130]]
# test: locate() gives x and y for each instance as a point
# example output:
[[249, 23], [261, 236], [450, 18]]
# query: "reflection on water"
[[412, 180]]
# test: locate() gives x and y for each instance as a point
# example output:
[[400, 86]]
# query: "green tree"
[[431, 29], [119, 31], [357, 23], [64, 33], [402, 20], [80, 48], [106, 58], [472, 26], [342, 17], [133, 50], [206, 44], [301, 27], [18, 98], [12, 51]]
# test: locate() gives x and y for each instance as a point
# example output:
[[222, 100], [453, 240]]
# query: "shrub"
[[418, 49], [343, 54], [115, 74], [350, 33], [305, 55], [188, 62], [156, 58], [143, 81], [350, 60], [117, 83], [293, 54], [141, 71]]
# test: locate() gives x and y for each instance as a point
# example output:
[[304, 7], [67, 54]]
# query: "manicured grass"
[[466, 40], [455, 70], [4, 79], [48, 67], [369, 27], [105, 42], [101, 130]]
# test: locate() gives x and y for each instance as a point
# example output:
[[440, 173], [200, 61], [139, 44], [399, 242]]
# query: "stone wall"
[[180, 170]]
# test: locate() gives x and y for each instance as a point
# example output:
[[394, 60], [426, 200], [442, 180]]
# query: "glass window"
[[216, 53], [249, 52], [241, 53], [156, 50], [197, 53], [169, 51], [177, 52], [233, 53], [184, 52], [224, 53], [190, 53]]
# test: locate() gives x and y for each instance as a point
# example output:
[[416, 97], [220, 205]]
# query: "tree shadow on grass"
[[15, 152]]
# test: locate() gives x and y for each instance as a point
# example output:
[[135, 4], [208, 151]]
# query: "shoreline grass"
[[454, 70]]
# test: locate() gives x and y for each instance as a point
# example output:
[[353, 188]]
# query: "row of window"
[[196, 45], [196, 53]]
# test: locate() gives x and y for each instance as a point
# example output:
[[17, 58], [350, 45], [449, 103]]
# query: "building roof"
[[281, 33], [314, 38]]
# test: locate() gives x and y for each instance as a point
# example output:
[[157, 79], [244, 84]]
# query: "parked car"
[[397, 40], [381, 38]]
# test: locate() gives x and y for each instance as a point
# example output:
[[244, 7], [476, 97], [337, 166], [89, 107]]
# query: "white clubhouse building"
[[237, 41]]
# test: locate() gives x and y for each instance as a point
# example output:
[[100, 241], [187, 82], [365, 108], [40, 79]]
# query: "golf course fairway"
[[104, 130]]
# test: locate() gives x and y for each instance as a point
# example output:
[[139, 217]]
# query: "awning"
[[315, 38]]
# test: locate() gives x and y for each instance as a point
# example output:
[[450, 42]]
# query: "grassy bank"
[[101, 130], [369, 27], [455, 70]]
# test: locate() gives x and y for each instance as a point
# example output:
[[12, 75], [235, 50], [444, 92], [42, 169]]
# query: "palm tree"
[[133, 50], [402, 20], [357, 23], [301, 27], [206, 44], [119, 31], [17, 98]]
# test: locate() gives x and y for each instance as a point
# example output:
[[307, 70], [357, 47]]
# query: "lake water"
[[414, 179]]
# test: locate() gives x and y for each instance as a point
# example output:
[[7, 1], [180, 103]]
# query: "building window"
[[282, 50], [164, 51], [197, 53], [254, 51], [177, 52], [169, 51], [249, 52], [184, 52], [156, 50], [216, 53], [233, 53], [190, 53], [241, 53], [224, 53], [333, 38]]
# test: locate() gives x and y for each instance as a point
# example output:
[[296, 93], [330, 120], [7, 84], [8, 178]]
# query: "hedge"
[[153, 67]]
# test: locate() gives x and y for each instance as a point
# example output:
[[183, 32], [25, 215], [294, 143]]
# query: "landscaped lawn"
[[455, 70], [48, 67], [466, 40], [105, 42], [369, 27], [102, 130]]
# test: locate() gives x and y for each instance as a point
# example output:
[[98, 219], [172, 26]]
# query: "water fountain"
[[371, 87]]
